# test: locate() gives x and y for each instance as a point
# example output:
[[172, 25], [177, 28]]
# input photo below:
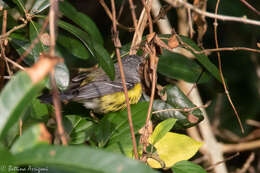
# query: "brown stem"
[[211, 15], [117, 45], [35, 41], [221, 73], [55, 98], [132, 8]]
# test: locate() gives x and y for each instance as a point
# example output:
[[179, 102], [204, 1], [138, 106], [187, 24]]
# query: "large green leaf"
[[15, 99], [114, 131], [34, 30], [21, 44], [73, 61], [161, 129], [202, 58], [177, 99], [75, 46], [38, 110], [20, 4], [31, 137], [96, 49], [187, 167], [179, 67], [81, 20], [39, 6], [77, 128], [79, 159], [5, 160]]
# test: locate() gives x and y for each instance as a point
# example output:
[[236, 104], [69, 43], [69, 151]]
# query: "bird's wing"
[[98, 89]]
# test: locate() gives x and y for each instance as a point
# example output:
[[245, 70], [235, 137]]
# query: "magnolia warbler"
[[97, 92]]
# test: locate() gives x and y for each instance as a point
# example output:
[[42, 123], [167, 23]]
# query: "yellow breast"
[[116, 101]]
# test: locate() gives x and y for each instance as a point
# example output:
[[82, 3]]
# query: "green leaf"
[[5, 159], [105, 61], [39, 6], [21, 45], [179, 67], [202, 58], [81, 20], [38, 110], [177, 99], [15, 99], [20, 4], [77, 128], [187, 167], [31, 137], [97, 50], [79, 159], [34, 32], [161, 129], [75, 46], [114, 131], [72, 61]]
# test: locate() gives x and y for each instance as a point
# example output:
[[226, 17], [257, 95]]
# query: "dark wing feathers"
[[97, 89]]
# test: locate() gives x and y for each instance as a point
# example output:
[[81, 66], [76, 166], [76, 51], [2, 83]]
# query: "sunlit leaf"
[[174, 147], [161, 129]]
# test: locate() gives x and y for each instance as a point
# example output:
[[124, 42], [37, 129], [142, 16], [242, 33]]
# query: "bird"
[[96, 91]]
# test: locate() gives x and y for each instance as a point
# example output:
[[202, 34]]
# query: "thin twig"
[[132, 8], [2, 60], [102, 2], [56, 99], [220, 70], [3, 45], [13, 29], [35, 41], [117, 45], [147, 10], [52, 25], [250, 7], [253, 123], [121, 10], [228, 49], [183, 109], [247, 164], [226, 159], [211, 15], [190, 23], [137, 39], [14, 63], [239, 147]]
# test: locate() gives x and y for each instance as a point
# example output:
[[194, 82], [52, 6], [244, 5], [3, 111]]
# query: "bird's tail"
[[64, 96]]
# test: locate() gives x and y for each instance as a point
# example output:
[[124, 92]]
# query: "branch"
[[183, 109], [56, 99], [13, 29], [211, 15], [117, 45]]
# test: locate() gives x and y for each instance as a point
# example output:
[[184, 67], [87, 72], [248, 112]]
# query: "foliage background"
[[239, 68]]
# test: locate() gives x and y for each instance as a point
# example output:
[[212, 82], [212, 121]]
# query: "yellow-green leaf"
[[174, 147], [161, 129]]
